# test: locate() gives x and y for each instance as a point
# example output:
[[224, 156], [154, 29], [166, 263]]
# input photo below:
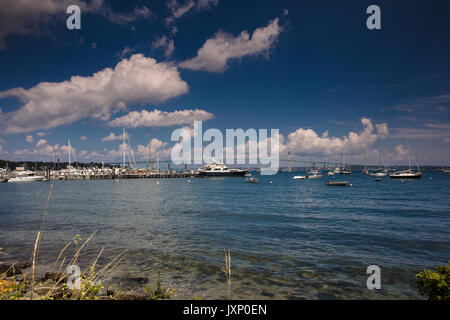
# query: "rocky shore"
[[16, 284]]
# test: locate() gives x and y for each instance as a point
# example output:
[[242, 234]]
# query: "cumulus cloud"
[[25, 17], [166, 44], [215, 53], [138, 80], [42, 151], [157, 118], [113, 137], [84, 138], [307, 141]]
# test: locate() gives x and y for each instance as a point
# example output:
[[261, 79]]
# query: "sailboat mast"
[[150, 153], [409, 154], [69, 153], [124, 145]]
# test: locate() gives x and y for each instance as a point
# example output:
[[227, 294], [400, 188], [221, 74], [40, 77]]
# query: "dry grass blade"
[[77, 254], [3, 275], [228, 271], [62, 251], [36, 245]]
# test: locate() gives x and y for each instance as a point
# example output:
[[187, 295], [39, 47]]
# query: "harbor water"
[[288, 239]]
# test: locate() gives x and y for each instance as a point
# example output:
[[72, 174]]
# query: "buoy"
[[157, 182], [270, 182]]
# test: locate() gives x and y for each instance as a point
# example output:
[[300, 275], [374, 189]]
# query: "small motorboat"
[[330, 173], [251, 180], [337, 183], [314, 174], [299, 178]]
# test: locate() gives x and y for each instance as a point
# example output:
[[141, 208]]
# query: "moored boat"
[[337, 183], [406, 174], [26, 177], [252, 180], [314, 174], [221, 170], [409, 173]]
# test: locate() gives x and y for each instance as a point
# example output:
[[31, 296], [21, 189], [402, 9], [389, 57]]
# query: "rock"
[[23, 265], [36, 296], [130, 296], [9, 270], [55, 277], [42, 291]]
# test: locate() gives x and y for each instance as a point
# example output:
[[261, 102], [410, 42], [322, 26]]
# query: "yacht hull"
[[26, 179], [404, 177], [210, 174]]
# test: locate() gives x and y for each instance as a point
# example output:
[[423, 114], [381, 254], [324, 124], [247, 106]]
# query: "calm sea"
[[288, 239]]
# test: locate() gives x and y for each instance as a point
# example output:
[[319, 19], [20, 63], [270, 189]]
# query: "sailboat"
[[409, 173], [329, 173], [314, 173], [344, 170], [380, 172], [365, 170]]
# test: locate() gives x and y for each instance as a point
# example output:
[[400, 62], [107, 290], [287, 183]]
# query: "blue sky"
[[311, 69]]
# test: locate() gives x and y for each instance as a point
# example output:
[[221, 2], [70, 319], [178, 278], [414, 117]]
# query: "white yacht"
[[382, 172], [406, 174], [221, 170], [314, 174], [26, 176], [409, 173], [379, 173]]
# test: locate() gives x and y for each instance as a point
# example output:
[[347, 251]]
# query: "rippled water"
[[288, 239]]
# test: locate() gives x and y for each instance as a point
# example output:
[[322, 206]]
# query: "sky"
[[311, 69]]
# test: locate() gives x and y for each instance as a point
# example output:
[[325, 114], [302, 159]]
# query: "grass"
[[227, 272]]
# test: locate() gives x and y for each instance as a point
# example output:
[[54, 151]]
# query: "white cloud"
[[113, 137], [215, 53], [166, 44], [41, 142], [308, 142], [84, 138], [126, 18], [180, 9], [29, 139], [138, 80], [125, 52], [400, 152], [157, 118], [26, 17]]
